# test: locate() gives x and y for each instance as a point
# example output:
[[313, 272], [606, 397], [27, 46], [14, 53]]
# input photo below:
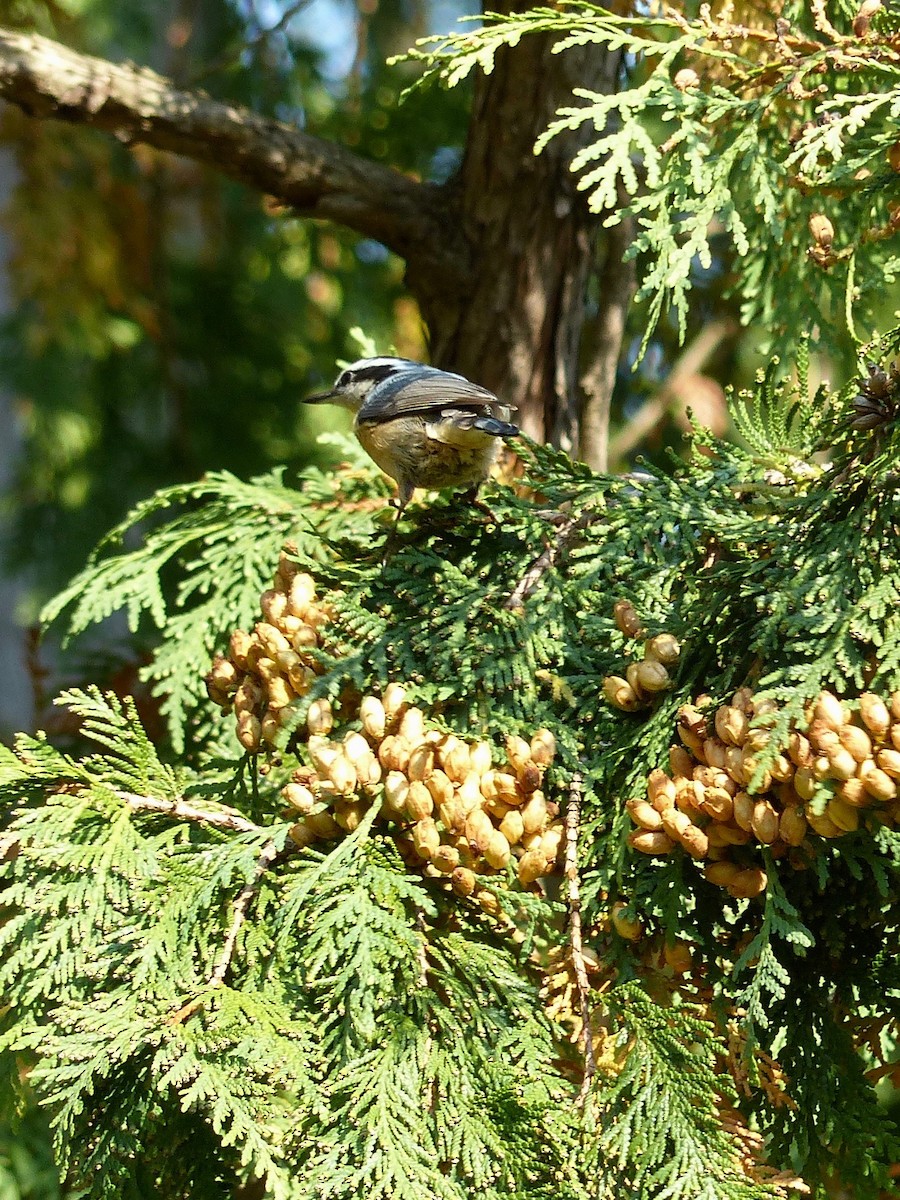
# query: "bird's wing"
[[423, 391]]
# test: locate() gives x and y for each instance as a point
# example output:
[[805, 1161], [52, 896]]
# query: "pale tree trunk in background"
[[516, 322]]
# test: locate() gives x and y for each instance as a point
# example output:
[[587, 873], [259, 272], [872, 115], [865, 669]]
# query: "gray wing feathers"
[[426, 391]]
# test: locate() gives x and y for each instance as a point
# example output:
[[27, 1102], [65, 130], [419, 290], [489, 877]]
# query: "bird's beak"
[[320, 398]]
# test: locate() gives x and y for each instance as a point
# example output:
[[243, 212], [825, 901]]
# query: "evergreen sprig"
[[738, 128]]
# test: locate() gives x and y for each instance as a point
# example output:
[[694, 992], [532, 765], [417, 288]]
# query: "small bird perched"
[[423, 427]]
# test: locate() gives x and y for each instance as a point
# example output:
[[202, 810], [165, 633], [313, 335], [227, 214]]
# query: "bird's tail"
[[496, 428]]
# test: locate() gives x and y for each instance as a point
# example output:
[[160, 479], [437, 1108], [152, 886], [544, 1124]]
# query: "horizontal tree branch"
[[221, 816], [316, 177]]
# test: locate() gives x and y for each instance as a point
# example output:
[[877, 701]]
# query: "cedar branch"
[[315, 177], [240, 911], [573, 896]]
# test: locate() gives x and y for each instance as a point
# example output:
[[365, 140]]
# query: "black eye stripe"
[[376, 373]]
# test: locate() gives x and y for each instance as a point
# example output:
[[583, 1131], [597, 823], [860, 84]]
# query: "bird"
[[424, 427]]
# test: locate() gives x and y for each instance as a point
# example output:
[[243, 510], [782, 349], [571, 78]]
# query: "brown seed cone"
[[717, 803], [695, 841], [531, 866], [620, 694], [644, 814], [874, 714], [764, 822], [841, 763], [744, 805], [300, 798], [721, 873], [879, 784], [419, 803], [664, 648], [693, 742], [681, 761], [463, 881], [518, 751], [513, 826], [675, 822], [426, 838], [689, 796], [393, 754], [301, 834], [888, 760], [715, 752], [715, 777], [661, 791], [628, 927], [844, 815], [239, 645], [828, 709], [497, 851], [373, 717], [323, 824], [535, 813], [543, 747], [249, 731], [792, 826], [678, 956], [852, 791], [652, 677], [393, 699], [648, 842], [690, 717], [446, 859], [478, 830], [440, 787], [529, 777], [732, 725], [799, 749], [748, 883], [627, 619], [823, 825], [421, 762], [857, 742], [349, 813]]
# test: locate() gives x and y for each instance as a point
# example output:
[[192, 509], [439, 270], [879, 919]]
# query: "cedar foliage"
[[198, 1001]]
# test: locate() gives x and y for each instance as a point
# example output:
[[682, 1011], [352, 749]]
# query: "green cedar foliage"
[[195, 1001], [736, 125]]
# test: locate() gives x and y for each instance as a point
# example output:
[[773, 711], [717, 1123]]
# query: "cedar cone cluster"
[[454, 813], [836, 765], [645, 679], [877, 402], [269, 668]]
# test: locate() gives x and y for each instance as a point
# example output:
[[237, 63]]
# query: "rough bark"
[[517, 329], [498, 259]]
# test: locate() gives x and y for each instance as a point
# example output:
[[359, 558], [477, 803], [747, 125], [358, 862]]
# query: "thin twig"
[[181, 810], [567, 530], [240, 909], [573, 820]]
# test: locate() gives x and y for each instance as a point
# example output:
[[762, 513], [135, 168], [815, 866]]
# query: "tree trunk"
[[498, 259], [516, 325]]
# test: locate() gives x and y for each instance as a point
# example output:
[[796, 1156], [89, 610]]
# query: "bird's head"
[[355, 382]]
